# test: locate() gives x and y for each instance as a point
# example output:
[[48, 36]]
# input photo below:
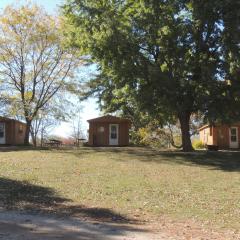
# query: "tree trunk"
[[34, 139], [42, 137], [184, 119], [27, 133]]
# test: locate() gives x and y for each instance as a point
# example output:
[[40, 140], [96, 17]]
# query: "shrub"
[[198, 144]]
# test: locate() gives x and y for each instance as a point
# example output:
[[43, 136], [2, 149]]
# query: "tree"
[[171, 56], [34, 64], [57, 110], [77, 133], [40, 126]]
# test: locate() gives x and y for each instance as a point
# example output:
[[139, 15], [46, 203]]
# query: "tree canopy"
[[172, 58], [34, 63]]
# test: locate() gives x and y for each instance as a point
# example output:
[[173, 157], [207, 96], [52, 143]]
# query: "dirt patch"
[[17, 225], [189, 229]]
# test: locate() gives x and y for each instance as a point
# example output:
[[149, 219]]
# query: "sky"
[[89, 107]]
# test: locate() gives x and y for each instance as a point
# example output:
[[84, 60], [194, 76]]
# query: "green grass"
[[134, 182]]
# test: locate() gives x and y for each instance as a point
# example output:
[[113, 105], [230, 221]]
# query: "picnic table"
[[212, 147], [53, 143], [79, 140]]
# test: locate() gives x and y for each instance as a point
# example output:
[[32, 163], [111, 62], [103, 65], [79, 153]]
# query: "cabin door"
[[2, 133], [233, 137], [113, 134]]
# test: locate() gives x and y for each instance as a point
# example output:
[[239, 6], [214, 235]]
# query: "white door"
[[233, 137], [2, 133], [113, 134]]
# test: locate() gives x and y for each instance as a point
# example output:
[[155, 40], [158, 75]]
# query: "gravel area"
[[16, 226]]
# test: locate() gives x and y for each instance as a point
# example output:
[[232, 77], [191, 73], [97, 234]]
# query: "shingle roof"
[[109, 118], [10, 119], [203, 127]]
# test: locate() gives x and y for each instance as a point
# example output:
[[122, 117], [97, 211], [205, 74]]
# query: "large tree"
[[34, 64], [171, 56]]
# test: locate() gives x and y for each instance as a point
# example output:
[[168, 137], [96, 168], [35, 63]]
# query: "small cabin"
[[109, 131], [12, 132], [222, 136]]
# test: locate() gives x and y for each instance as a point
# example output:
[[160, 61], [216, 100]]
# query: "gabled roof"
[[109, 119], [204, 126], [5, 119], [218, 124]]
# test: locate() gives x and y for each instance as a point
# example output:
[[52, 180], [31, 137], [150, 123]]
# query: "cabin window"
[[2, 130], [233, 135], [20, 129], [101, 129], [113, 132]]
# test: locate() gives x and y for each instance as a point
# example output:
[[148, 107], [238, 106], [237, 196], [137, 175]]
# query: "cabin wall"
[[206, 136], [124, 134], [223, 137], [99, 133], [19, 133], [8, 131], [90, 134], [14, 134], [220, 136]]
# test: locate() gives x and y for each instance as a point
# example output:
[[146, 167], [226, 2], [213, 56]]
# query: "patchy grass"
[[124, 183]]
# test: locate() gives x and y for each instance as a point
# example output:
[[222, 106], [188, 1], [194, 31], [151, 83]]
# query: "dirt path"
[[16, 226], [20, 226]]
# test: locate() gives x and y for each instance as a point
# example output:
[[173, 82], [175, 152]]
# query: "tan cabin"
[[223, 136], [12, 132], [109, 131]]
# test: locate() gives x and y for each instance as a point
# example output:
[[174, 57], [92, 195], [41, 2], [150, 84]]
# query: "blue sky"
[[50, 5], [89, 107]]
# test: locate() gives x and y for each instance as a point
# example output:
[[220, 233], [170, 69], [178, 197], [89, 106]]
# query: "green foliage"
[[168, 58], [154, 136], [34, 62], [149, 138], [198, 144]]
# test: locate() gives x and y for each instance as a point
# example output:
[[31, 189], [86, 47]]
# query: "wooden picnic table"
[[54, 143], [79, 140]]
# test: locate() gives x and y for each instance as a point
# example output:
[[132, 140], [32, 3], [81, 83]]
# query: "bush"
[[149, 137], [198, 144]]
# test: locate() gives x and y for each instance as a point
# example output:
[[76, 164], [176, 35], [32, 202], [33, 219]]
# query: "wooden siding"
[[19, 132], [98, 138], [124, 133], [206, 136], [223, 137], [220, 135], [13, 135]]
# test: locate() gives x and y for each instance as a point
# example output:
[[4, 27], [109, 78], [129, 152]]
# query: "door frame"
[[233, 144], [113, 142], [3, 139]]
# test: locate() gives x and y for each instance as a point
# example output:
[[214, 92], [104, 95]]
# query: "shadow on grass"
[[221, 160], [23, 196], [35, 212], [10, 148], [52, 229]]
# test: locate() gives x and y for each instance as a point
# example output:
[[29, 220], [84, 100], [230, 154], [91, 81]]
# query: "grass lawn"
[[133, 183]]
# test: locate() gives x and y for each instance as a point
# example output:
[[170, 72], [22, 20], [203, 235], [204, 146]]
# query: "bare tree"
[[77, 132], [33, 61], [40, 127]]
